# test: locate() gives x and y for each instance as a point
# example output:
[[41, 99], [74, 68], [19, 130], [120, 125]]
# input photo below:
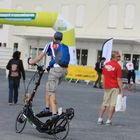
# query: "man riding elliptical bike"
[[56, 73]]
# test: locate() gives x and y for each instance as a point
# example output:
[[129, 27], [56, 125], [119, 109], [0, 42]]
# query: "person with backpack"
[[16, 69], [98, 67], [57, 70]]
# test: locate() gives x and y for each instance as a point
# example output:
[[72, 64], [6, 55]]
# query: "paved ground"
[[85, 100]]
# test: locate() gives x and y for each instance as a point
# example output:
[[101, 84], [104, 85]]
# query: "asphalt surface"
[[85, 100]]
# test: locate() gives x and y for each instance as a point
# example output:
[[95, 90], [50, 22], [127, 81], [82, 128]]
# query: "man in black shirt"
[[98, 67]]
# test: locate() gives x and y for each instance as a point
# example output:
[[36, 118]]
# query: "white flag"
[[107, 49]]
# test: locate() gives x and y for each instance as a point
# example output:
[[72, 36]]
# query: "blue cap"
[[58, 36]]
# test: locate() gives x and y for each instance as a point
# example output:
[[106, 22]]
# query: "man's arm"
[[37, 58], [103, 80], [120, 86], [8, 65]]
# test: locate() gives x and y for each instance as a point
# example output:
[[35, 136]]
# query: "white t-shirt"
[[130, 66]]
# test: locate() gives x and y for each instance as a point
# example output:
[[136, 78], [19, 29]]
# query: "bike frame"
[[51, 126], [29, 114]]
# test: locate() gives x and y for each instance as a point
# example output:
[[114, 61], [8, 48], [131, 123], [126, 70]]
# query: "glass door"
[[135, 60], [82, 55], [127, 57], [131, 57]]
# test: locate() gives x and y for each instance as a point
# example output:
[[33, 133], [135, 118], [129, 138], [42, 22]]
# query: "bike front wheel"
[[61, 128], [20, 122]]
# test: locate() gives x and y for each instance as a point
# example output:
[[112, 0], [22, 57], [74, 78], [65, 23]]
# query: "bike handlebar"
[[28, 61], [39, 67]]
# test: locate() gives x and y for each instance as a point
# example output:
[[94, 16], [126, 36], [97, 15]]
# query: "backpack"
[[96, 66], [62, 56], [14, 71]]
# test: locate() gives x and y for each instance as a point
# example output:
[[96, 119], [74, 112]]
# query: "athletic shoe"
[[10, 103], [100, 87], [108, 122], [44, 113], [100, 121], [53, 116], [95, 86]]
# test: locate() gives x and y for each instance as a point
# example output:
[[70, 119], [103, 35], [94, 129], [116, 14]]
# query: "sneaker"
[[44, 113], [54, 116], [108, 122], [100, 121], [10, 103], [95, 86]]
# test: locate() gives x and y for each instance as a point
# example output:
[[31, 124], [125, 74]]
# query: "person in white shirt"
[[56, 74], [131, 74]]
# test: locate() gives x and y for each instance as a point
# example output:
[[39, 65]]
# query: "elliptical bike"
[[58, 127]]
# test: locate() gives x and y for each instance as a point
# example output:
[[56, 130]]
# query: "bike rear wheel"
[[61, 128], [20, 122]]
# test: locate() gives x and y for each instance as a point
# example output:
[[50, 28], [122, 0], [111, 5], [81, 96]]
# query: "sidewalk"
[[86, 101]]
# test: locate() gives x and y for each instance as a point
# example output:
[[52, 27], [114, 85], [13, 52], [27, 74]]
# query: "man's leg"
[[16, 86], [104, 105], [102, 111], [47, 100], [96, 82], [100, 78], [133, 78], [47, 110], [53, 104], [111, 112], [114, 94], [10, 100], [110, 115], [129, 77]]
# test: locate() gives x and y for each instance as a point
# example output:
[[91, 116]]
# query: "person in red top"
[[113, 86]]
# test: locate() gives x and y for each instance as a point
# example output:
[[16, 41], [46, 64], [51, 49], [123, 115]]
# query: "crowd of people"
[[109, 78]]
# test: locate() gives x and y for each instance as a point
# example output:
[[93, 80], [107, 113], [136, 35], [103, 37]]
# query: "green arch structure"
[[42, 19]]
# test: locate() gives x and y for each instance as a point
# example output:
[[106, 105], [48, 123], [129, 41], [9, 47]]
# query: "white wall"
[[94, 30]]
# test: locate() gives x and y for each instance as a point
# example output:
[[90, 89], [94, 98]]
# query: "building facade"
[[95, 21]]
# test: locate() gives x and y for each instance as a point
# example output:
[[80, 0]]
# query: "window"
[[65, 11], [42, 61], [131, 57], [112, 17], [80, 16], [135, 60], [0, 44], [99, 55], [15, 47], [127, 57], [129, 16], [78, 56], [82, 55], [4, 44], [33, 52]]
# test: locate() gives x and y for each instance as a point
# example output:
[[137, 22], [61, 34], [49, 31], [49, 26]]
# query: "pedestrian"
[[56, 72], [98, 67], [130, 74], [113, 86], [16, 69]]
